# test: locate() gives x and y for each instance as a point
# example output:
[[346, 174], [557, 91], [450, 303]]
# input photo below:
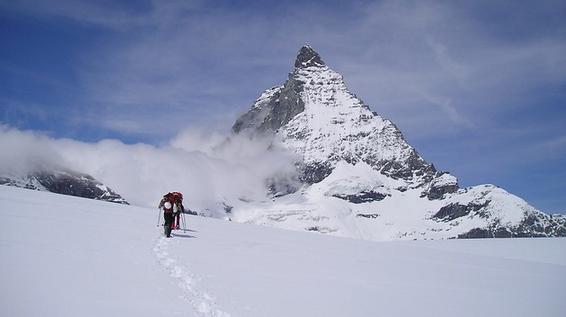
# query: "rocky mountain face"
[[317, 117], [360, 178], [64, 182]]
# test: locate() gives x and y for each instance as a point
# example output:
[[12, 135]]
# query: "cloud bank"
[[208, 169], [26, 152]]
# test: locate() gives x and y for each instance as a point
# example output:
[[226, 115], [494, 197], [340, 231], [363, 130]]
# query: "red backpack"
[[177, 197], [174, 197]]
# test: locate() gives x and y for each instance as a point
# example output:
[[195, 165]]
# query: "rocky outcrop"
[[274, 109], [315, 172], [532, 226], [308, 57], [454, 211], [441, 185], [362, 197], [66, 183], [368, 216]]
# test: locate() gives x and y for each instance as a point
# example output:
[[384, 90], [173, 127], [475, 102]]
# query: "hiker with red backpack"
[[172, 206]]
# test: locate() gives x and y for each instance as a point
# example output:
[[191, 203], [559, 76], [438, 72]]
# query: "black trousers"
[[169, 218]]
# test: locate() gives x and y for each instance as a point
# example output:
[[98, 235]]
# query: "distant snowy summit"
[[317, 117], [63, 181], [360, 178]]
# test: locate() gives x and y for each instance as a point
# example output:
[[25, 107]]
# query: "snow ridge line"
[[203, 303]]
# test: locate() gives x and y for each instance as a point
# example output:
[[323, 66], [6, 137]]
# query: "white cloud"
[[23, 152], [208, 170]]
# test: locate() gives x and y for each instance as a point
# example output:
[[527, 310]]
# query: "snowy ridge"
[[360, 178], [363, 203]]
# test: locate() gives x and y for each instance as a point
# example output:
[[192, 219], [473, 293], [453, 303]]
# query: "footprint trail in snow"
[[203, 303]]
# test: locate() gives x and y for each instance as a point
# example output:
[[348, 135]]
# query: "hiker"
[[172, 205]]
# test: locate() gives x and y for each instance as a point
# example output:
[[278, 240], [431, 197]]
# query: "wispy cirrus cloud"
[[415, 62], [115, 15]]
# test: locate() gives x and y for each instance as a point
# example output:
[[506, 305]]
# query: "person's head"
[[167, 205]]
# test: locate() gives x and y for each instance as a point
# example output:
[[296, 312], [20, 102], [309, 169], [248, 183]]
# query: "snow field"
[[202, 302], [67, 256]]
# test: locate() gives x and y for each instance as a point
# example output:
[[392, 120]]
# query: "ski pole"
[[158, 217], [184, 222]]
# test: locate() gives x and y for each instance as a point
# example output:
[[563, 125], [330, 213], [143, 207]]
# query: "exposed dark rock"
[[362, 197], [370, 216], [321, 229], [283, 106], [438, 189], [502, 232], [248, 120], [191, 212], [81, 185], [439, 192], [286, 105], [68, 183], [10, 182], [476, 233], [541, 225], [499, 232], [414, 165], [534, 225], [454, 211], [308, 57], [227, 208], [314, 173]]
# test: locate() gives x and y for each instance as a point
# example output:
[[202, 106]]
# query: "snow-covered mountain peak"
[[359, 176], [316, 116]]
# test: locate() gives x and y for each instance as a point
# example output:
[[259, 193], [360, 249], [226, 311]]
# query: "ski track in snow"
[[202, 301]]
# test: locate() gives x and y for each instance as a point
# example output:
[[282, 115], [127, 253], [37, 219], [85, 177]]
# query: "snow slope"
[[68, 256]]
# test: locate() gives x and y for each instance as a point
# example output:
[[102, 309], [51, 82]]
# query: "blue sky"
[[477, 87]]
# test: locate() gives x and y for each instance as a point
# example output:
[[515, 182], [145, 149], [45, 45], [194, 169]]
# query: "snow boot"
[[167, 231]]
